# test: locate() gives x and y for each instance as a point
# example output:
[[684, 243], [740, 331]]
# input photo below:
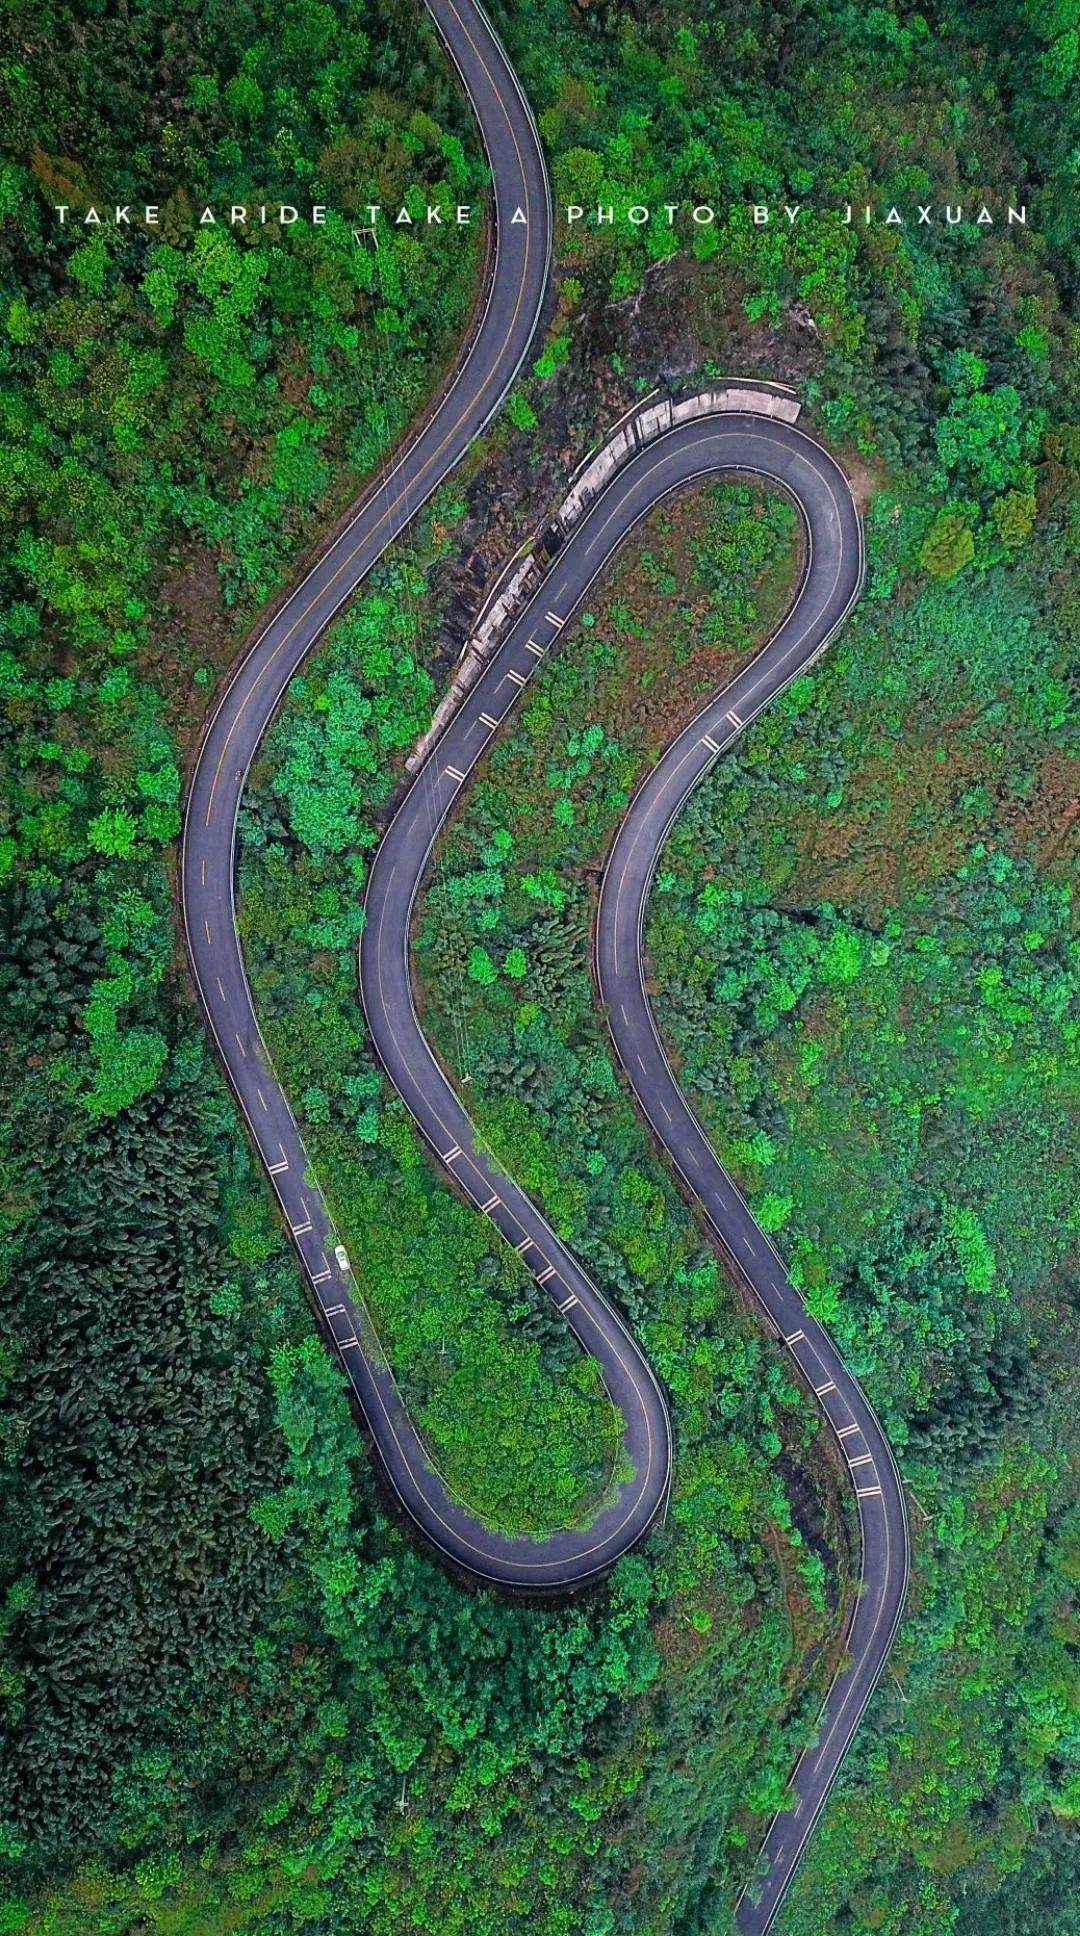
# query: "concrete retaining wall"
[[644, 427], [734, 396]]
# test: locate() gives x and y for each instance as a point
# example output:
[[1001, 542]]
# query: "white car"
[[342, 1256]]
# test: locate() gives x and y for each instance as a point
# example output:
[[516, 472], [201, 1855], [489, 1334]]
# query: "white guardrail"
[[649, 421]]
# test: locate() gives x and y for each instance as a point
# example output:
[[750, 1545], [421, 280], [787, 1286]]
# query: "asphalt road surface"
[[709, 447]]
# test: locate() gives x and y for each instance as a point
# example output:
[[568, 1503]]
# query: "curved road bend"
[[830, 586], [737, 444], [515, 293]]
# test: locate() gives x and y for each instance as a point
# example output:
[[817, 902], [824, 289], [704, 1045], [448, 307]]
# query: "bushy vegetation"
[[236, 1696], [864, 949], [513, 1413]]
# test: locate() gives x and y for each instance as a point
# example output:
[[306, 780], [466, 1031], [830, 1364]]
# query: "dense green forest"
[[235, 1694]]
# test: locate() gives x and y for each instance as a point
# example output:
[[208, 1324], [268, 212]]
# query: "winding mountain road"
[[739, 443]]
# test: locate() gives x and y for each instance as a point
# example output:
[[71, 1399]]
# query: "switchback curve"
[[517, 285], [830, 585]]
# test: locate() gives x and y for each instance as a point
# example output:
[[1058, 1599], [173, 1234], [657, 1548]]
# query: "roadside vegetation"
[[235, 1696], [513, 1414]]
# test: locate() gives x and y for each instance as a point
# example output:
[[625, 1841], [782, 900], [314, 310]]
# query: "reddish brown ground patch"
[[653, 694], [901, 824], [865, 480], [1043, 827]]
